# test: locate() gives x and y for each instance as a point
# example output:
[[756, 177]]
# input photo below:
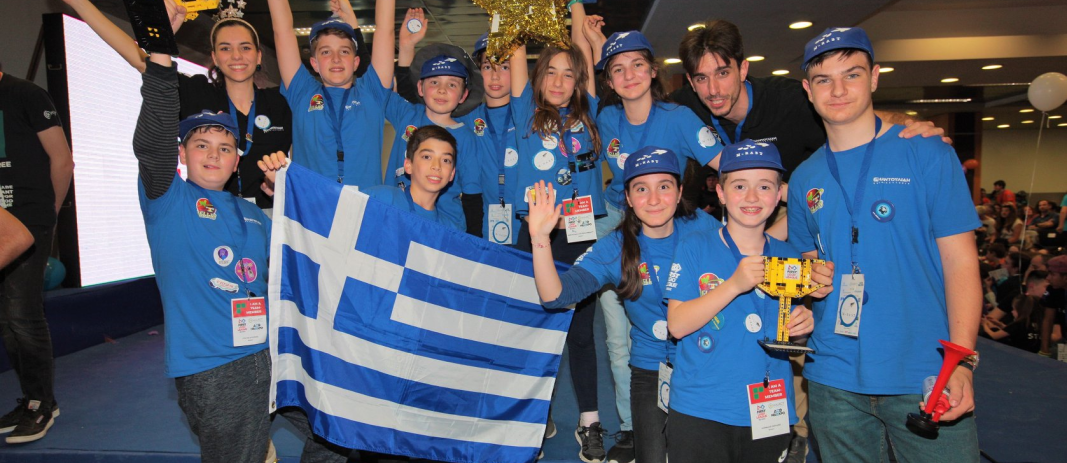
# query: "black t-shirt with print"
[[25, 176]]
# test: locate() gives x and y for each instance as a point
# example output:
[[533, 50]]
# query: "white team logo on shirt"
[[705, 137]]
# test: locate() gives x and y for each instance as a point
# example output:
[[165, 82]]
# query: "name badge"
[[500, 231], [849, 305], [249, 316], [664, 392], [578, 217], [768, 408]]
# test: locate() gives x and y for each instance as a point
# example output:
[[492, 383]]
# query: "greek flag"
[[401, 336]]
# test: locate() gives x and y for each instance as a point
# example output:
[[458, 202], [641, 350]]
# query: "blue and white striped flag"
[[401, 336]]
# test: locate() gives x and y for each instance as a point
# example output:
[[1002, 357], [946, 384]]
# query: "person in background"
[[1001, 194]]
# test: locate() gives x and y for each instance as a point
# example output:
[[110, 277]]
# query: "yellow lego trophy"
[[787, 279]]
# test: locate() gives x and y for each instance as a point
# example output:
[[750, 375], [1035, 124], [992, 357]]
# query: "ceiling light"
[[1062, 125], [696, 26], [755, 58], [885, 70], [672, 61], [800, 25], [1027, 110], [991, 67], [302, 31], [949, 80], [1055, 117], [939, 100], [1003, 126], [1028, 122], [780, 72], [911, 113], [987, 118]]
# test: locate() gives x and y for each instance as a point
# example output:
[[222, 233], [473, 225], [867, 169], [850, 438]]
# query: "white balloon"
[[1048, 91]]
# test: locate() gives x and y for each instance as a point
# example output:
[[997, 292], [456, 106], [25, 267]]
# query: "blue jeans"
[[617, 326], [850, 427], [22, 322], [650, 423]]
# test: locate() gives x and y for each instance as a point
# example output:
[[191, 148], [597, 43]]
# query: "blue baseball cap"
[[621, 42], [651, 160], [748, 154], [333, 23], [207, 118], [443, 65], [836, 38], [482, 43]]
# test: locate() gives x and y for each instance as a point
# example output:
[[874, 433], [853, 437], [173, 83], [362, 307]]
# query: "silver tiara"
[[233, 9]]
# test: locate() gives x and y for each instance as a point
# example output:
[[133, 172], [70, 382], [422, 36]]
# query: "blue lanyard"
[[245, 143], [861, 186], [644, 128], [737, 131], [336, 122], [412, 206], [500, 141]]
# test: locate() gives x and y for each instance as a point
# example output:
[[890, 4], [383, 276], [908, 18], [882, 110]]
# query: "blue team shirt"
[[314, 139], [401, 199], [405, 118], [668, 126], [648, 314], [916, 193], [197, 239], [497, 150], [715, 364], [541, 159]]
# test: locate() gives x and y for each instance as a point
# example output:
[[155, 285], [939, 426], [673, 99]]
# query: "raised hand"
[[270, 165], [544, 213]]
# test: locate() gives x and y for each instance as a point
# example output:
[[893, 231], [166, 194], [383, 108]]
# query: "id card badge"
[[500, 231], [849, 305], [249, 316], [768, 409], [664, 393], [578, 217]]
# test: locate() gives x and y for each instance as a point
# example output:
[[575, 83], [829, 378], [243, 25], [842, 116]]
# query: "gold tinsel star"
[[513, 22]]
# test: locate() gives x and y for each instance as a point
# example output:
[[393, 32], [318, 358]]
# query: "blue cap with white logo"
[[836, 38], [748, 154], [333, 23], [651, 160], [207, 118], [482, 43], [621, 42], [443, 65]]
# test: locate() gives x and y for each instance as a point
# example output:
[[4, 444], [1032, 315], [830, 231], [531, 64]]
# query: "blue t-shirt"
[[401, 199], [314, 138], [494, 132], [668, 126], [541, 159], [406, 117], [715, 364], [648, 314], [915, 194], [198, 239]]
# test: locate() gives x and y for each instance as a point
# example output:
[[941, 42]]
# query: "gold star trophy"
[[513, 22], [787, 279]]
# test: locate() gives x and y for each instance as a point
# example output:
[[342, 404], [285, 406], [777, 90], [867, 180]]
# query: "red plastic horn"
[[926, 423]]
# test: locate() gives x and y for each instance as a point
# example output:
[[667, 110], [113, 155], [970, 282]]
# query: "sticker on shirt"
[[706, 137], [408, 132], [705, 342], [563, 177], [316, 103], [511, 157], [220, 284], [708, 282], [399, 172], [204, 209], [646, 279], [621, 160], [760, 294], [479, 127], [613, 148], [246, 270], [528, 195], [814, 199], [544, 160], [659, 330], [223, 255], [576, 146], [550, 143], [578, 128], [753, 323], [883, 211], [263, 122]]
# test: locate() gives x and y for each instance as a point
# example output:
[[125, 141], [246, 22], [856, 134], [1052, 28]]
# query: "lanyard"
[[336, 122], [861, 186], [245, 143], [500, 141], [571, 163], [412, 206], [737, 131], [753, 299], [644, 128]]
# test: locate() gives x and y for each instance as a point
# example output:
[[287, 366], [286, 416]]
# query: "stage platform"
[[118, 407]]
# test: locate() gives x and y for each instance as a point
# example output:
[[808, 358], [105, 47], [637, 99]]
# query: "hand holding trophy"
[[787, 279]]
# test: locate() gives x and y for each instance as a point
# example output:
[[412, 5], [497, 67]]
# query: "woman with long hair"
[[1009, 226]]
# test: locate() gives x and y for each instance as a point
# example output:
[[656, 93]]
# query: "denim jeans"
[[650, 423], [617, 325], [22, 323], [226, 408], [850, 427]]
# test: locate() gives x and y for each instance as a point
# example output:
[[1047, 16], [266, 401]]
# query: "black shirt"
[[25, 174], [781, 114], [272, 129]]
